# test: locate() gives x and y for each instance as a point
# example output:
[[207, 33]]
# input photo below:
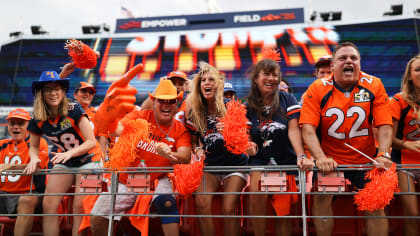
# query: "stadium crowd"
[[342, 106]]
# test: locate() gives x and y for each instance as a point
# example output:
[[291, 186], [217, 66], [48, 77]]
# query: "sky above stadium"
[[63, 19]]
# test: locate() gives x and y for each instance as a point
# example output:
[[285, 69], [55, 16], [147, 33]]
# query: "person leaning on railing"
[[342, 106], [275, 133], [170, 143], [205, 106], [14, 155], [67, 126], [406, 141]]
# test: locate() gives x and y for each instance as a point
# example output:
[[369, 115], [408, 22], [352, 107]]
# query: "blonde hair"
[[408, 89], [197, 104], [42, 111]]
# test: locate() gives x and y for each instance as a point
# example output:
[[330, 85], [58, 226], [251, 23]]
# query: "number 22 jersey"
[[346, 116]]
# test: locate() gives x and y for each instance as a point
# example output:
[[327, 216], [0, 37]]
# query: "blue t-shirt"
[[271, 135]]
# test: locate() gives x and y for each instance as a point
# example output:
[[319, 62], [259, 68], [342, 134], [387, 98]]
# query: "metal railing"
[[301, 182]]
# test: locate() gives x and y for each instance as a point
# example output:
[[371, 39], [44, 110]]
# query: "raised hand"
[[119, 100]]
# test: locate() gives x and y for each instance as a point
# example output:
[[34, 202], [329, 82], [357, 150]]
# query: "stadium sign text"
[[211, 21]]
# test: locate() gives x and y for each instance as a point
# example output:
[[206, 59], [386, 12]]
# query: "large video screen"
[[385, 49]]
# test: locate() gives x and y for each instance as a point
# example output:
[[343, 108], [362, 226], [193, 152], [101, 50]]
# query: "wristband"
[[301, 156]]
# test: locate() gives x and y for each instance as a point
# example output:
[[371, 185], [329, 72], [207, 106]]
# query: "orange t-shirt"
[[346, 117], [178, 137], [19, 154], [407, 129]]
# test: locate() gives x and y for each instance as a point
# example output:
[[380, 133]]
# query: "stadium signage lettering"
[[257, 17], [246, 18], [211, 21], [164, 23]]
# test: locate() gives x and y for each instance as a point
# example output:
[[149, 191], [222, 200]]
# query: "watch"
[[384, 154]]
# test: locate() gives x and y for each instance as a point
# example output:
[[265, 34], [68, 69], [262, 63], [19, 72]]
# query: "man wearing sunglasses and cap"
[[179, 80], [14, 155], [170, 143]]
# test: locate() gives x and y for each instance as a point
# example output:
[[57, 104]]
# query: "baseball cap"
[[84, 85], [49, 77], [19, 113], [228, 87], [177, 74], [323, 60]]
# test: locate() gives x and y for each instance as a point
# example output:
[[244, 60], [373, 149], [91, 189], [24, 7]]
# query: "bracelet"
[[198, 148], [384, 154], [402, 144], [301, 156]]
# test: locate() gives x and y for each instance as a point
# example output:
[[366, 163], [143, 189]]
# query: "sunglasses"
[[87, 91], [168, 101], [48, 90], [19, 123]]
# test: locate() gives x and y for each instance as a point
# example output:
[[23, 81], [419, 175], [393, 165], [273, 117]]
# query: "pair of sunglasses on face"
[[87, 91], [167, 101]]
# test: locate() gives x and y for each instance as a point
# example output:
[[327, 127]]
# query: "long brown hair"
[[255, 100], [408, 89], [197, 105], [42, 111]]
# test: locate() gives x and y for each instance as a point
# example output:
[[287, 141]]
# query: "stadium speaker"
[[36, 30], [91, 29], [105, 27], [325, 16], [16, 34], [336, 15], [396, 10], [313, 16]]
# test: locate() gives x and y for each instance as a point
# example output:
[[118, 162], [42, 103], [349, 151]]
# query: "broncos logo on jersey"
[[269, 131], [214, 142]]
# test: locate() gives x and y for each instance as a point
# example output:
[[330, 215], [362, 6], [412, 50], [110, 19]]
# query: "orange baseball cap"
[[166, 90], [19, 113], [177, 74], [323, 60], [83, 85]]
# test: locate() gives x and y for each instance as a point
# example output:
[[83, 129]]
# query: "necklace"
[[169, 139]]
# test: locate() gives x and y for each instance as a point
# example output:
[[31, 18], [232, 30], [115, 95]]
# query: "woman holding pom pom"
[[205, 106], [275, 133], [406, 141]]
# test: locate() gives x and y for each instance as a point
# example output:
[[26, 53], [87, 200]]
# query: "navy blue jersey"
[[270, 133], [214, 144], [64, 133]]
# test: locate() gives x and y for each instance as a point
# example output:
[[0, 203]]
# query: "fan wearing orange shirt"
[[170, 144], [340, 108], [14, 155], [406, 142]]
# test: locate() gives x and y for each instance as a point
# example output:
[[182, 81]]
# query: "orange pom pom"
[[82, 55], [271, 53], [379, 191], [187, 177], [235, 127], [123, 153]]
